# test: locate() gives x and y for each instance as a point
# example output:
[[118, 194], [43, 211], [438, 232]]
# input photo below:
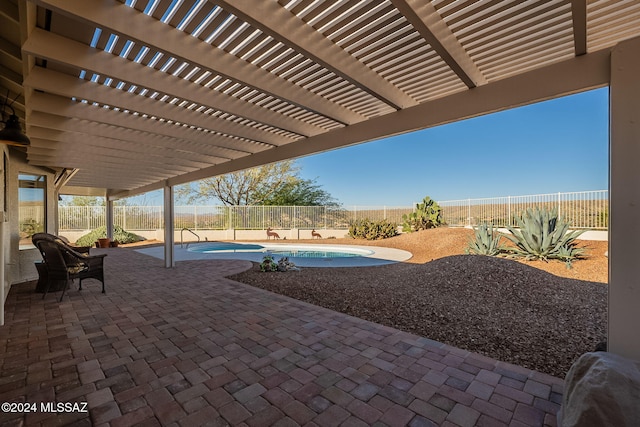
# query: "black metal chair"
[[65, 263]]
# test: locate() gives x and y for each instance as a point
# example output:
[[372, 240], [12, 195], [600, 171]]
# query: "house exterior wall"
[[4, 236], [20, 263]]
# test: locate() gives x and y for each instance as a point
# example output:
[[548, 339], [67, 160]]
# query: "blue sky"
[[549, 147]]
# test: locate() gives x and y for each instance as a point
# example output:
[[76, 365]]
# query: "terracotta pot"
[[104, 243]]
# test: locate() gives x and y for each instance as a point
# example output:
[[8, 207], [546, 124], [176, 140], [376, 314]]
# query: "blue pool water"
[[302, 255], [284, 250]]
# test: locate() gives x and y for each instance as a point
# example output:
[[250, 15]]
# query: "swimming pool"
[[283, 250], [303, 255]]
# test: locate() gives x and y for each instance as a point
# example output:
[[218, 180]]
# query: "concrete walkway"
[[187, 347]]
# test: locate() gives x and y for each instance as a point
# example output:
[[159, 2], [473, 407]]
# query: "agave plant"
[[486, 241], [543, 235]]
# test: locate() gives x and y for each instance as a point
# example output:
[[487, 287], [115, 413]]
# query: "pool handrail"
[[190, 231]]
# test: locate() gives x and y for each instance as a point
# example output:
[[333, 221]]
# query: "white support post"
[[109, 218], [169, 261], [624, 196]]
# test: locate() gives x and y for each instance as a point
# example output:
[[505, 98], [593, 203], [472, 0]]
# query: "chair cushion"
[[77, 268]]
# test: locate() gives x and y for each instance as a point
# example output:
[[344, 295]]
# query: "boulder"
[[601, 389]]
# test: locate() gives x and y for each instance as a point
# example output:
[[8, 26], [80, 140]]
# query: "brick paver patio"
[[187, 347]]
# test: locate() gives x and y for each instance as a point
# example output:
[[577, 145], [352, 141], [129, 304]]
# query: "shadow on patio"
[[186, 346]]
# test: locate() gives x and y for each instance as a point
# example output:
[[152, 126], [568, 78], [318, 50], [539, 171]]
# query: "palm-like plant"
[[543, 235], [486, 241]]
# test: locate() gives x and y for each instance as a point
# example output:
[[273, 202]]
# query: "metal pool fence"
[[226, 217], [587, 209]]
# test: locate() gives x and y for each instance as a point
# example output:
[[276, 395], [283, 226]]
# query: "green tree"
[[81, 201], [273, 184], [300, 192]]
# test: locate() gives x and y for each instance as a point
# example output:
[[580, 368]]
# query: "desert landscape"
[[540, 315]]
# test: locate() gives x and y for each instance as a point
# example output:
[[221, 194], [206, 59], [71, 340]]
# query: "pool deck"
[[380, 255], [188, 347]]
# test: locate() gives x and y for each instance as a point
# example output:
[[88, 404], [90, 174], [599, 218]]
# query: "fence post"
[[325, 217], [469, 212], [195, 217], [559, 204], [509, 211]]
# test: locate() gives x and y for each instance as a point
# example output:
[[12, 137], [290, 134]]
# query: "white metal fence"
[[226, 217], [587, 209]]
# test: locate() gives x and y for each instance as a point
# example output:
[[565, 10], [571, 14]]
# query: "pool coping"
[[380, 255]]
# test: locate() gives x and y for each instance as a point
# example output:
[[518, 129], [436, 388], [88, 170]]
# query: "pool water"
[[302, 255], [212, 247], [284, 250]]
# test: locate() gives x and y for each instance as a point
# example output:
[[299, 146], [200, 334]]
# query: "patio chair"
[[62, 240], [64, 263]]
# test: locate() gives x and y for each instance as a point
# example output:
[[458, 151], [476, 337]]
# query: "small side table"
[[43, 276], [43, 279]]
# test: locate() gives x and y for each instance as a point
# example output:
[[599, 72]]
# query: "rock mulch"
[[508, 310]]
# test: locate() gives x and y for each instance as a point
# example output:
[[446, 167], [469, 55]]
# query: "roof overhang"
[[137, 95]]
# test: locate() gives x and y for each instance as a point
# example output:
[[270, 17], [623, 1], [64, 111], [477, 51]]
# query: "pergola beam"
[[53, 47], [282, 25], [105, 166], [152, 33], [49, 150], [107, 169], [125, 139], [171, 133], [11, 52], [70, 87], [82, 151], [426, 20], [579, 18], [8, 11]]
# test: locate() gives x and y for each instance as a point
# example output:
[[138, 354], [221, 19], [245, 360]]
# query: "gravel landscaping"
[[519, 312]]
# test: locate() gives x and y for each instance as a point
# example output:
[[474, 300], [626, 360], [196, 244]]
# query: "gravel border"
[[498, 307]]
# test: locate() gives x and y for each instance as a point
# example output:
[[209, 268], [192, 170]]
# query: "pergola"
[[121, 97]]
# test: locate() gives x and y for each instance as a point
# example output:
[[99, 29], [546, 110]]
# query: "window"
[[32, 203]]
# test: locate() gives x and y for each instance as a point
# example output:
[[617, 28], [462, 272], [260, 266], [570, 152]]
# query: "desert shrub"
[[372, 230], [119, 234], [285, 265], [543, 235], [485, 241], [427, 214], [268, 264], [31, 227]]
